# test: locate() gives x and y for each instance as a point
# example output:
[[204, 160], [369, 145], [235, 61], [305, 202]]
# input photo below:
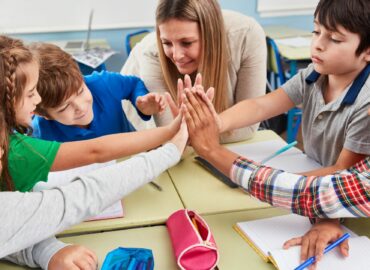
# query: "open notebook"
[[61, 178], [267, 236], [292, 160]]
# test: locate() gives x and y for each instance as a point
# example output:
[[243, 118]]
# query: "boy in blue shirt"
[[76, 108]]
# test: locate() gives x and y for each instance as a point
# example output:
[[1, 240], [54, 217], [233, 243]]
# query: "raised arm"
[[105, 148], [330, 196], [28, 218], [333, 196], [251, 111]]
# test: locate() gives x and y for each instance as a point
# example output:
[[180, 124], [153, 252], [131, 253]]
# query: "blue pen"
[[311, 260], [278, 152]]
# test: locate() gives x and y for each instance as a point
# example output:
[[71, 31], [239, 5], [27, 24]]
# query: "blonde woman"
[[193, 36]]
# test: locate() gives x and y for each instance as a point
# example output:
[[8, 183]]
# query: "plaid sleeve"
[[345, 194]]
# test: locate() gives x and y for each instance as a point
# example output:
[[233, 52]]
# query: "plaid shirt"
[[343, 194]]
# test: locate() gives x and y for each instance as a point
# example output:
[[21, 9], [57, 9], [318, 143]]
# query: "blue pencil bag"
[[129, 259]]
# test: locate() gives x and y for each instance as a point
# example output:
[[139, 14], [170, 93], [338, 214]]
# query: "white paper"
[[61, 178], [294, 41], [292, 160], [93, 57], [269, 234]]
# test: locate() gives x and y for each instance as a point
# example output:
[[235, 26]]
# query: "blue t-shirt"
[[107, 89]]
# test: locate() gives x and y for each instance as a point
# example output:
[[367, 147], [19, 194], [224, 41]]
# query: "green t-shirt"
[[30, 160]]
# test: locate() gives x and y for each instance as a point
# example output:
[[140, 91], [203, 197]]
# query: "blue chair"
[[277, 77], [133, 38]]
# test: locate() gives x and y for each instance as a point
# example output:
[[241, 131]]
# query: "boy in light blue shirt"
[[76, 108]]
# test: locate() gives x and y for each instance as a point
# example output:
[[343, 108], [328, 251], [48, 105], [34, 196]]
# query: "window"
[[273, 8]]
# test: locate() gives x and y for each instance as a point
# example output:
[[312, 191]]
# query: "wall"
[[116, 37]]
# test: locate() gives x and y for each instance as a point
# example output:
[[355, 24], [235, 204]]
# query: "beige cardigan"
[[246, 72]]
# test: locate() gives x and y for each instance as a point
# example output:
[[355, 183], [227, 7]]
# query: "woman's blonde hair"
[[13, 80], [214, 52]]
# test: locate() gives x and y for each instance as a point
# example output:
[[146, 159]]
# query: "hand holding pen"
[[312, 259]]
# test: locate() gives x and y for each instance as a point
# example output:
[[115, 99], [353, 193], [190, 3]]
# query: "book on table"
[[61, 178], [292, 160], [267, 236]]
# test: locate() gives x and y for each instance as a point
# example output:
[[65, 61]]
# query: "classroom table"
[[234, 251], [290, 53], [155, 238], [203, 192], [145, 206]]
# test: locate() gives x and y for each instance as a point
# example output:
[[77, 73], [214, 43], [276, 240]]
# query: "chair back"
[[133, 38], [274, 61]]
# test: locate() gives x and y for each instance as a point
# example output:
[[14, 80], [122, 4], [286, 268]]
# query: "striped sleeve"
[[345, 194]]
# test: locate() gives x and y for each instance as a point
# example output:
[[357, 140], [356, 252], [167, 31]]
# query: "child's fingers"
[[162, 101], [191, 108], [344, 248], [208, 101], [296, 241], [305, 248], [203, 105], [85, 264], [189, 120], [192, 99], [319, 252]]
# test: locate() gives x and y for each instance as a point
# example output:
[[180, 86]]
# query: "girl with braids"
[[28, 218], [195, 36], [30, 159]]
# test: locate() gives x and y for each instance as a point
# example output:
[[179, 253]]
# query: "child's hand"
[[73, 257], [181, 137], [317, 238], [202, 127], [151, 103]]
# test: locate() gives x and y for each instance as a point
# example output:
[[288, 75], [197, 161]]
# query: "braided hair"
[[13, 53]]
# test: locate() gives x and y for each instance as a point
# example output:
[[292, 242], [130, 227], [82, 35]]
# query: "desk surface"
[[289, 52], [282, 31], [145, 206], [235, 253], [155, 238], [202, 191]]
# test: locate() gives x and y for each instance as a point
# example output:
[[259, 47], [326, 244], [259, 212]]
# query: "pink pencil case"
[[192, 241]]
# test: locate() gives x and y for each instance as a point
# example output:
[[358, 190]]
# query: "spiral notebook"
[[267, 236]]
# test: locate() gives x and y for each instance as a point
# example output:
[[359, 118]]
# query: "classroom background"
[[297, 14]]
